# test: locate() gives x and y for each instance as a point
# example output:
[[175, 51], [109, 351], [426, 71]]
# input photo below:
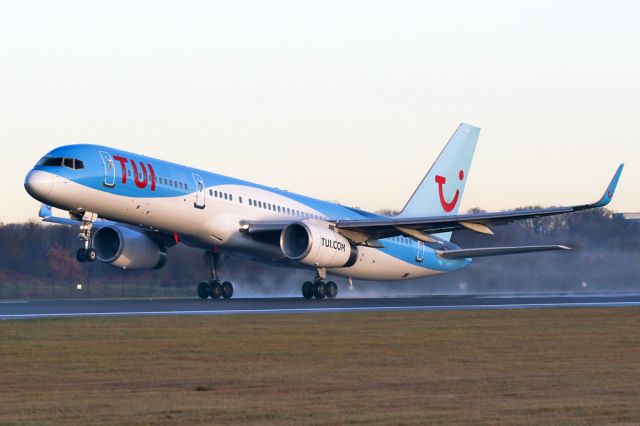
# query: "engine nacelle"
[[128, 248], [317, 245]]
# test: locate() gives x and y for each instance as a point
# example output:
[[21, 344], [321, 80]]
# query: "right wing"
[[361, 230]]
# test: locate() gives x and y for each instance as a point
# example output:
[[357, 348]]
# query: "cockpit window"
[[50, 161], [71, 163]]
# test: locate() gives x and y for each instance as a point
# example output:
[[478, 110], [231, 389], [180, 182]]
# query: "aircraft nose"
[[38, 183]]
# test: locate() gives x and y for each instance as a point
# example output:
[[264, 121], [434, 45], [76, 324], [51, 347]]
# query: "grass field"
[[576, 366]]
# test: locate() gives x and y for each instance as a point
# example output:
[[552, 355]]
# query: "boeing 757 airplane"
[[130, 208]]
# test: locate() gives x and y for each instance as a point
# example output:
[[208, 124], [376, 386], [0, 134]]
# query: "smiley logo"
[[448, 205]]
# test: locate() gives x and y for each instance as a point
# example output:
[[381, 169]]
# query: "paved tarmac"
[[28, 309]]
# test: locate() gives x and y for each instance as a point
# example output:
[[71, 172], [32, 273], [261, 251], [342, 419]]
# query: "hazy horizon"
[[341, 101]]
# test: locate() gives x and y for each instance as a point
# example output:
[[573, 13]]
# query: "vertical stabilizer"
[[440, 192]]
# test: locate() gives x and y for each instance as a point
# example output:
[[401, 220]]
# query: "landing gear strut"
[[87, 253], [318, 288], [213, 288]]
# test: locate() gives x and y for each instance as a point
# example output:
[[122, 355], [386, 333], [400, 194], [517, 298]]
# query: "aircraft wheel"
[[332, 289], [227, 290], [91, 255], [81, 255], [216, 289], [320, 290], [307, 290], [203, 290]]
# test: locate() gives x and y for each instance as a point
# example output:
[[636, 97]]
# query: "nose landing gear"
[[87, 253]]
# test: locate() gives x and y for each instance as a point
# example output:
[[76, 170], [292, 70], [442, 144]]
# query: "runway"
[[144, 307]]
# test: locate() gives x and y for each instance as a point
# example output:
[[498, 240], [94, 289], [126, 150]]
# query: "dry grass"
[[579, 366]]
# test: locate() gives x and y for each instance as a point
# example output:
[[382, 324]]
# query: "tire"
[[320, 290], [332, 289], [227, 290], [216, 290], [81, 255], [308, 290], [203, 290], [91, 255]]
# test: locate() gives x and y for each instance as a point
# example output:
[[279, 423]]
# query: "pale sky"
[[341, 100]]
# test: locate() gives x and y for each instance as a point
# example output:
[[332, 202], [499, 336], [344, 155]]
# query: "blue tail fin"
[[440, 192]]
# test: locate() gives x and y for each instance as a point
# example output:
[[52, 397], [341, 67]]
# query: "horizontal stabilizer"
[[495, 251]]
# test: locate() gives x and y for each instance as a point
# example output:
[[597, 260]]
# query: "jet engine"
[[128, 248], [317, 245]]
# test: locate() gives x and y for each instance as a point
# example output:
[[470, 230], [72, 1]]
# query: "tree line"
[[604, 257]]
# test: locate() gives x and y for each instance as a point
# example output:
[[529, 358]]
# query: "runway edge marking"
[[326, 310]]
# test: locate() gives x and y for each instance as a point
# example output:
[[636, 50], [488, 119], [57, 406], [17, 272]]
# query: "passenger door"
[[200, 192], [109, 170], [420, 253]]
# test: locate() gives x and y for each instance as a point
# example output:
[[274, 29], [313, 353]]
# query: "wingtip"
[[611, 189], [45, 211]]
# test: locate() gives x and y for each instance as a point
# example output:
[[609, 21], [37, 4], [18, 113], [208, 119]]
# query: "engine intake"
[[128, 248], [316, 245]]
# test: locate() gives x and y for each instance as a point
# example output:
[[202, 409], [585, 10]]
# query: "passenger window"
[[225, 195], [240, 199], [230, 197]]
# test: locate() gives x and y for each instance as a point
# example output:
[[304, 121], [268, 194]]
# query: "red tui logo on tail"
[[448, 205]]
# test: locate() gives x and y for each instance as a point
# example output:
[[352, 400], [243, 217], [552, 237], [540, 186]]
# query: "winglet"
[[611, 189], [47, 216], [45, 211]]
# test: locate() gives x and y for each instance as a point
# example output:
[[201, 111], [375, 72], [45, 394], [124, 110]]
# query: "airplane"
[[130, 208]]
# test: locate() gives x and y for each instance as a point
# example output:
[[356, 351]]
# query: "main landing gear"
[[86, 253], [214, 288], [318, 288]]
